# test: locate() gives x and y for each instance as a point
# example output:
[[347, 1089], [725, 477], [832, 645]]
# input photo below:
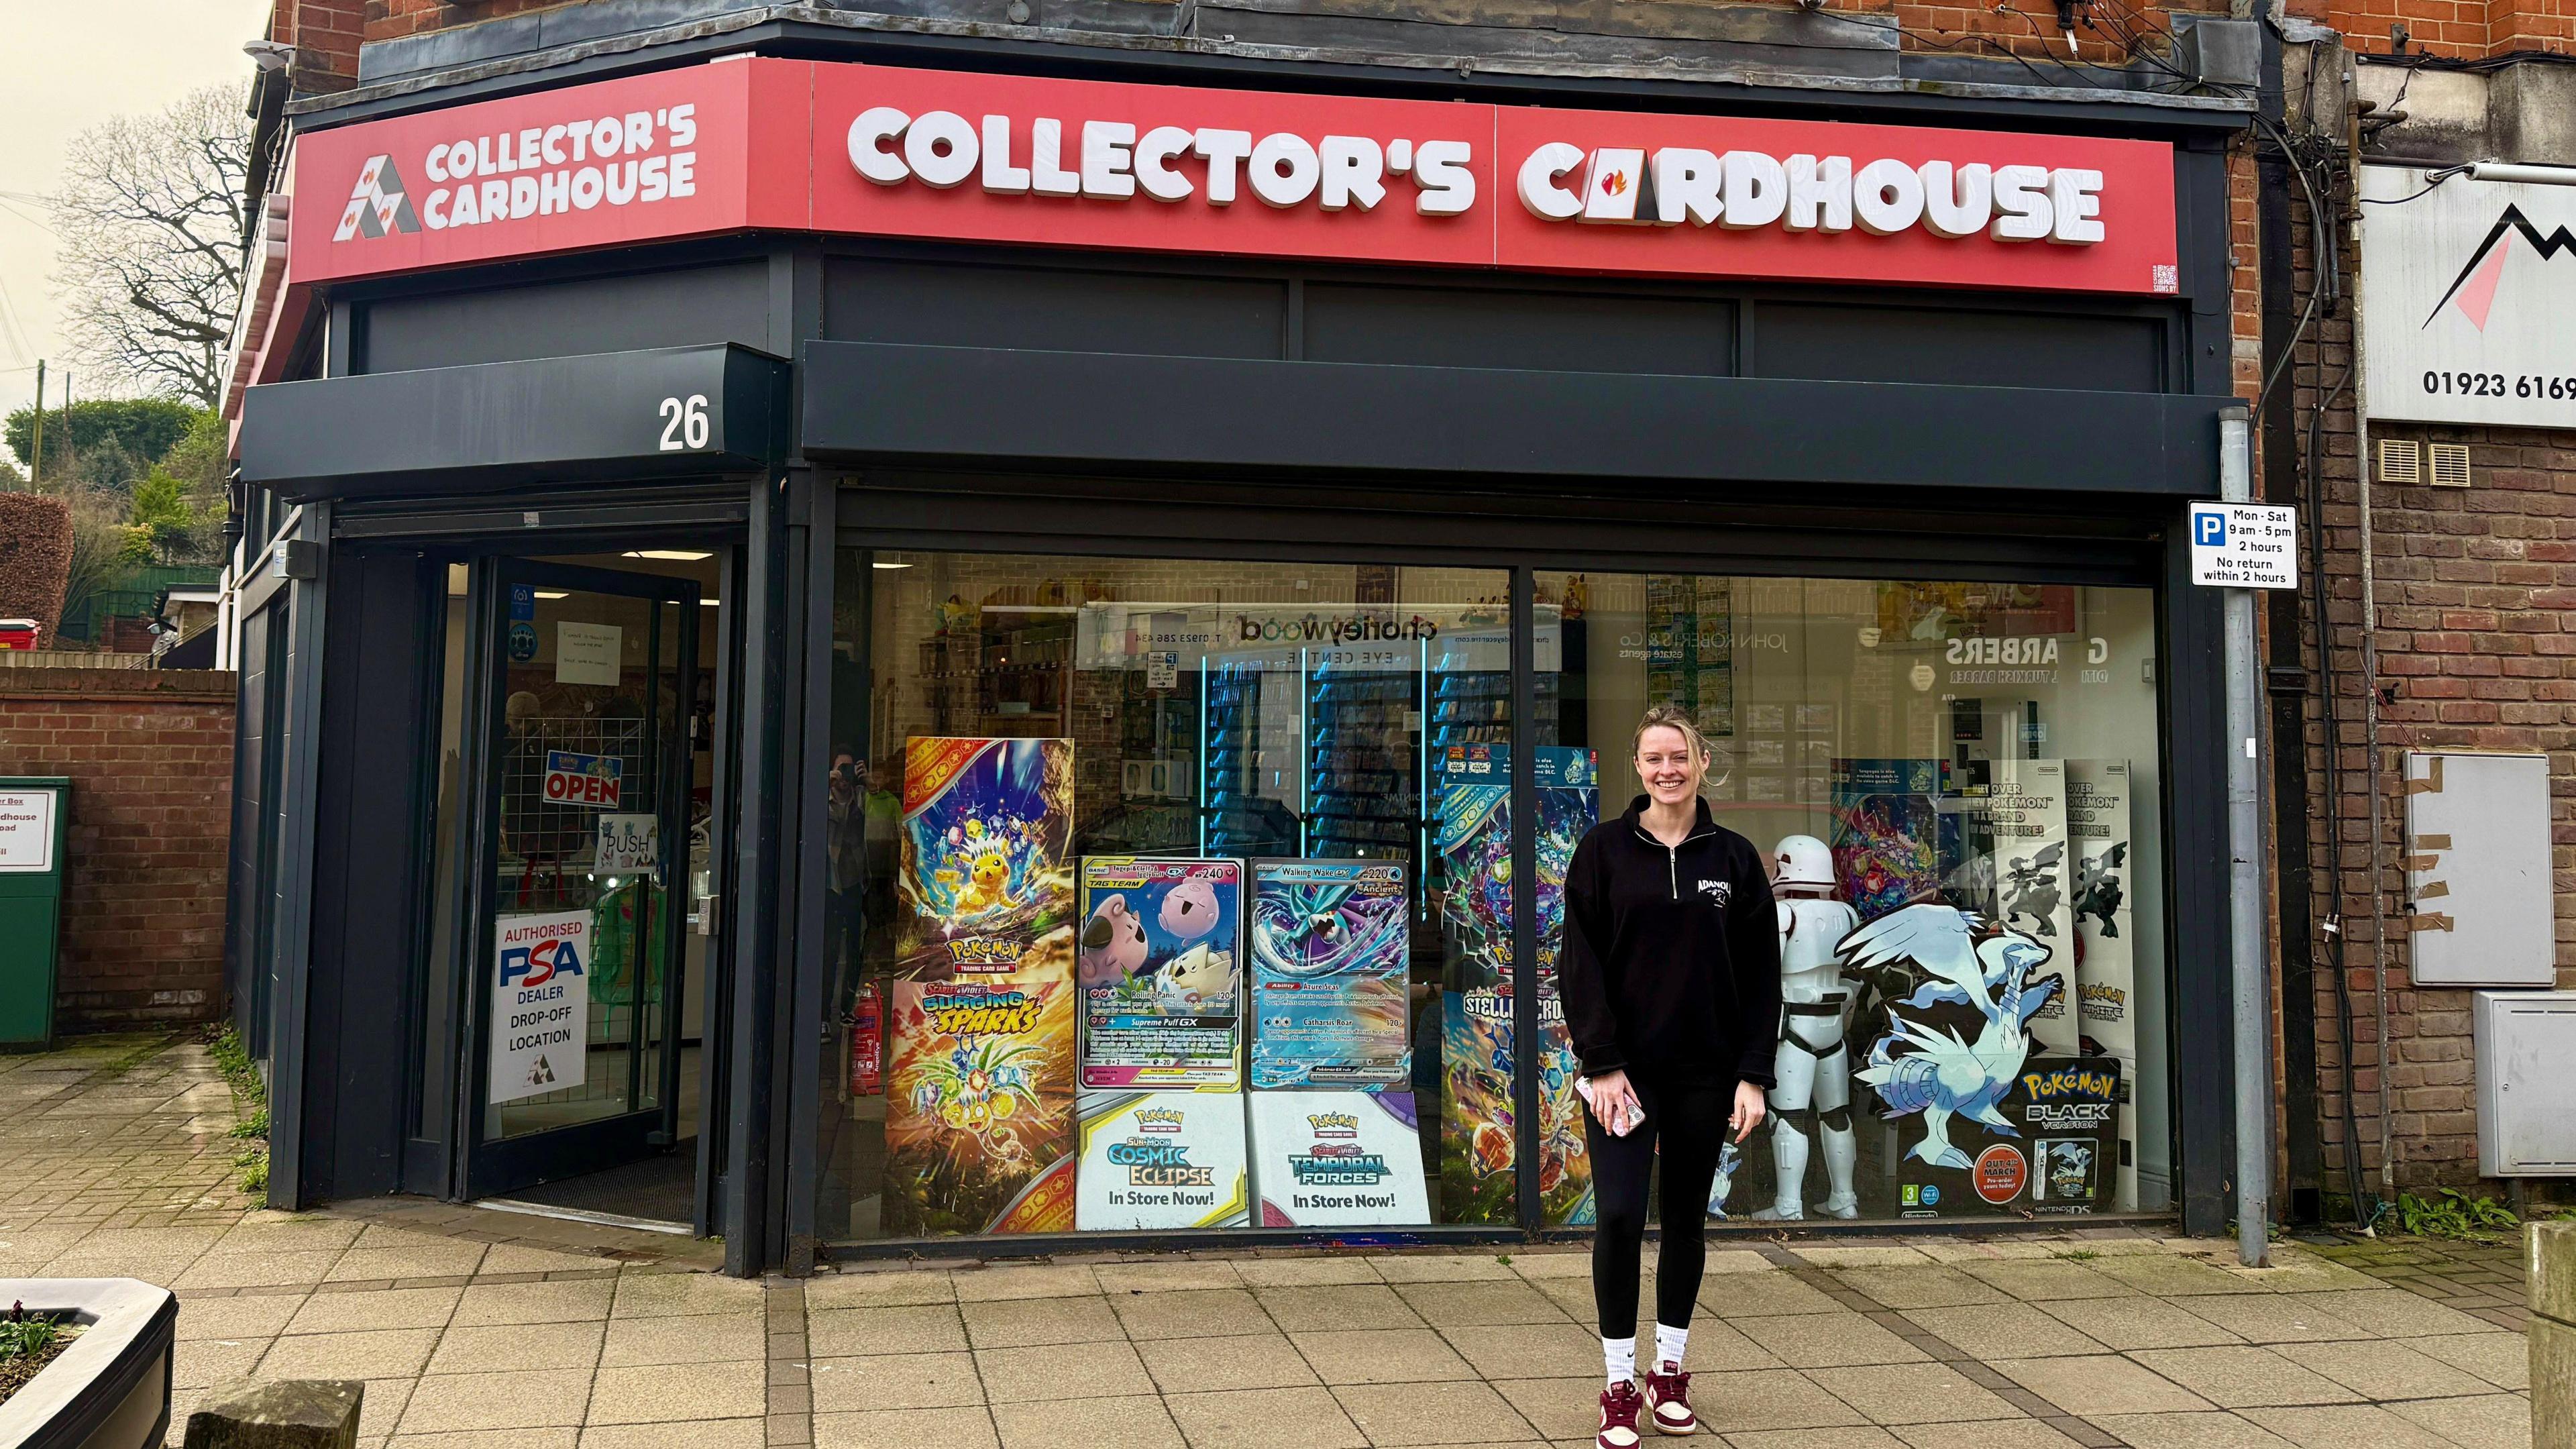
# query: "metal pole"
[[2247, 948], [36, 445]]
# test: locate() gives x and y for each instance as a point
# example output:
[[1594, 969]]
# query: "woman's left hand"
[[1750, 1108]]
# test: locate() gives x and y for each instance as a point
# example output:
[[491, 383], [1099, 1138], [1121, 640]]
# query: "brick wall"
[[2475, 648], [150, 757]]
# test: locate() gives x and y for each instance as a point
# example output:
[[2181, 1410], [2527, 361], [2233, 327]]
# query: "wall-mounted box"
[[2477, 870], [2526, 1045]]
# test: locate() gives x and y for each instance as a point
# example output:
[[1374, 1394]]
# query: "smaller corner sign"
[[2244, 546]]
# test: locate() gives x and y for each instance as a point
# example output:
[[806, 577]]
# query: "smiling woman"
[[1935, 772]]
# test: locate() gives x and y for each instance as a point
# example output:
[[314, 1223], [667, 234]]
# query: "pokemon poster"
[[1161, 1160], [1475, 847], [1159, 961], [1477, 1142], [979, 1107], [2026, 810], [985, 879], [1886, 831], [1331, 946], [2106, 963], [1338, 1159], [2052, 1149]]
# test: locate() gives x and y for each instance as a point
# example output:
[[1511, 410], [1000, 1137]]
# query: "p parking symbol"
[[2209, 530]]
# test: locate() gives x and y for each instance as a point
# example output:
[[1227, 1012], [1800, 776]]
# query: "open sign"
[[588, 781]]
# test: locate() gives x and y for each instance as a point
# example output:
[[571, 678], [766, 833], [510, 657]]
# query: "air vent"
[[2401, 460], [2450, 465]]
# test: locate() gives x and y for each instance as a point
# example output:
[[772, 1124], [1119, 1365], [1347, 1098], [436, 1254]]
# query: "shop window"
[[1958, 787], [1157, 900]]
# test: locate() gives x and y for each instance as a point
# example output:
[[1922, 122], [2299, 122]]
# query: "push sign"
[[2244, 546]]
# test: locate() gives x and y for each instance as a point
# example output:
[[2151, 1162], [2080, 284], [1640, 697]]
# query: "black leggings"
[[1690, 1120]]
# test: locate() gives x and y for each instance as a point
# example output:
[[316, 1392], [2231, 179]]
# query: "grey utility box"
[[2526, 1044], [2477, 870]]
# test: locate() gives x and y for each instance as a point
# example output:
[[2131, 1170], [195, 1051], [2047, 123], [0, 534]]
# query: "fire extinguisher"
[[867, 1044]]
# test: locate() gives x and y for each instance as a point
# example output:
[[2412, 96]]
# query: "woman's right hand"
[[1613, 1102]]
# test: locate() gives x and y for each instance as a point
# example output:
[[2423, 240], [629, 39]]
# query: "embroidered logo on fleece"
[[1717, 892]]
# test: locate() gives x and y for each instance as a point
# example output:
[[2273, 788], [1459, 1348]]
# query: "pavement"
[[476, 1328]]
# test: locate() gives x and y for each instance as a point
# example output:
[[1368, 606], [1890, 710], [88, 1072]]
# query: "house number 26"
[[685, 425]]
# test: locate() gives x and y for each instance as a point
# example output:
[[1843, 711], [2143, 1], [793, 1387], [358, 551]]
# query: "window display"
[[1172, 895], [1945, 776], [1154, 896]]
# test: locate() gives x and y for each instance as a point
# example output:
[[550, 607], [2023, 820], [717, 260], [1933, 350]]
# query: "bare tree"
[[150, 212]]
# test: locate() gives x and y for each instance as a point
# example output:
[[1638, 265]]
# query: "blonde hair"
[[1665, 716]]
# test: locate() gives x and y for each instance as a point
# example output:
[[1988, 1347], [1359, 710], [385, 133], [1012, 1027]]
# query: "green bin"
[[35, 815]]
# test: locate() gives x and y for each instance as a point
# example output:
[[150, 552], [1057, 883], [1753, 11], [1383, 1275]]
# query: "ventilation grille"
[[2400, 461], [2450, 465]]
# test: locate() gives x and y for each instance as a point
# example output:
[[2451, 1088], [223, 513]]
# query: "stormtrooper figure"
[[1814, 1095]]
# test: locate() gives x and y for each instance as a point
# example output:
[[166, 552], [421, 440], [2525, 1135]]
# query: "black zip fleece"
[[1671, 964]]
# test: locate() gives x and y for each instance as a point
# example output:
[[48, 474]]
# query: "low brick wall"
[[150, 757]]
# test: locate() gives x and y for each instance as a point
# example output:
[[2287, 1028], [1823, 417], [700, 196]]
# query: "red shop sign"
[[880, 151]]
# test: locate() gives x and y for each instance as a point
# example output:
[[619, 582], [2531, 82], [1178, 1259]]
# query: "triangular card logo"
[[377, 204]]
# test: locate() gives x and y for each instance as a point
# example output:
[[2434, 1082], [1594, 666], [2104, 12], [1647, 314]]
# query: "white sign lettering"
[[1630, 186], [1112, 162]]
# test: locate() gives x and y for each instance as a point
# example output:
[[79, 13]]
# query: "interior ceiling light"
[[682, 555]]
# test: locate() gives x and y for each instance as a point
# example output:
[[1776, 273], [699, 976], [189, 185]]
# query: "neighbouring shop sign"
[[884, 151], [2466, 287], [540, 1004]]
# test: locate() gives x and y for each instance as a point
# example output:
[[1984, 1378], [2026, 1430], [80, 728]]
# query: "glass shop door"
[[573, 1054]]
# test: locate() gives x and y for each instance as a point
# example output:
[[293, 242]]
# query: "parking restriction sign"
[[2244, 545]]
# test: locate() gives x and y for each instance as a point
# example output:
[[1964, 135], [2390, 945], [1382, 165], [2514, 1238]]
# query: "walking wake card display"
[[981, 1012], [1330, 947], [1161, 974], [985, 879], [980, 1107], [1162, 1160], [1338, 1159]]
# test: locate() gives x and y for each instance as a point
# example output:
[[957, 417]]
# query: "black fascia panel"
[[944, 405], [661, 412]]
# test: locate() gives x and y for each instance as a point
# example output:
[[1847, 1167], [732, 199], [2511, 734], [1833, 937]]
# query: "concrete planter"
[[111, 1388]]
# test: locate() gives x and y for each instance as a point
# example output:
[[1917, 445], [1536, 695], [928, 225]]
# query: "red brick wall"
[[150, 757], [2475, 595]]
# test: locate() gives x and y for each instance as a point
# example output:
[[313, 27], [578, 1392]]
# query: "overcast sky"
[[66, 65]]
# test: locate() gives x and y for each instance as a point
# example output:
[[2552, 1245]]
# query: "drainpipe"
[[2247, 950]]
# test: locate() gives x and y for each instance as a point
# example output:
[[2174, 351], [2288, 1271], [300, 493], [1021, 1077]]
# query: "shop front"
[[1044, 643]]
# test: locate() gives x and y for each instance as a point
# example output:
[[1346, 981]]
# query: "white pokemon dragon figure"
[[1919, 1068], [1814, 1068]]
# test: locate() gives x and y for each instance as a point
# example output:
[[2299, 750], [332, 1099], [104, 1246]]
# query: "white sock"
[[1619, 1358], [1669, 1343]]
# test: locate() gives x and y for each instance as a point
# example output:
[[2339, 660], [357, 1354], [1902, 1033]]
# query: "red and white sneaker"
[[1619, 1408], [1668, 1394]]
